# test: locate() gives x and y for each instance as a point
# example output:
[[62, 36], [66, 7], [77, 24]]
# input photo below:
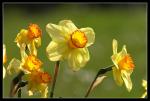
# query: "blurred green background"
[[125, 22]]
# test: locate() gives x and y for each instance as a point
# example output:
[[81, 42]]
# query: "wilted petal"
[[89, 33], [78, 58], [56, 51], [117, 76], [127, 80], [14, 66], [32, 48], [22, 37]]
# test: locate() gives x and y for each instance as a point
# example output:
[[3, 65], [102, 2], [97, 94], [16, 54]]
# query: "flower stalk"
[[55, 78], [100, 72]]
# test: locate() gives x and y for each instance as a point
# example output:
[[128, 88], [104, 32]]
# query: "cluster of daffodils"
[[68, 42], [37, 79]]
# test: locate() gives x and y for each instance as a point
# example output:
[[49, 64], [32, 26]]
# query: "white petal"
[[56, 32], [4, 72], [127, 80], [69, 25], [14, 66], [56, 51], [78, 58], [117, 76], [89, 33], [114, 46]]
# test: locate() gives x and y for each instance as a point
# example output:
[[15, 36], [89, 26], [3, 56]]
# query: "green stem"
[[55, 78], [19, 93], [100, 72]]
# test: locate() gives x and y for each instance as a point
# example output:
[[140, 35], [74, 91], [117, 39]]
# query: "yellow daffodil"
[[123, 66], [69, 42], [4, 60], [38, 82], [30, 63], [29, 38], [144, 84]]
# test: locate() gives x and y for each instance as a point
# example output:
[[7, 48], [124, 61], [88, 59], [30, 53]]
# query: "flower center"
[[45, 77], [40, 77], [77, 40], [32, 63], [126, 63], [34, 31]]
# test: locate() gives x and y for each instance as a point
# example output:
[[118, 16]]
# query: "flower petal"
[[22, 37], [14, 66], [56, 51], [89, 33], [78, 58], [69, 25], [38, 41], [114, 46], [119, 56], [4, 72], [117, 76], [56, 32], [32, 48], [126, 78], [4, 54]]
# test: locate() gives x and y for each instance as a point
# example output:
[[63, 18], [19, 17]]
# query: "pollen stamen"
[[77, 40]]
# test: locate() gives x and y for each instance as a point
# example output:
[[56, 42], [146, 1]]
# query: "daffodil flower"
[[70, 43], [28, 64], [144, 84], [123, 66], [30, 38], [4, 60], [38, 82]]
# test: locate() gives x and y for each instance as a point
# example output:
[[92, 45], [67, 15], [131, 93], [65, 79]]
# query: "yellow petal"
[[30, 93], [22, 37], [90, 35], [144, 95], [4, 54], [56, 32], [144, 84], [38, 41], [69, 25], [14, 66], [44, 91], [114, 46], [119, 56], [78, 58], [23, 53], [56, 51], [4, 72], [127, 80], [117, 76], [32, 48]]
